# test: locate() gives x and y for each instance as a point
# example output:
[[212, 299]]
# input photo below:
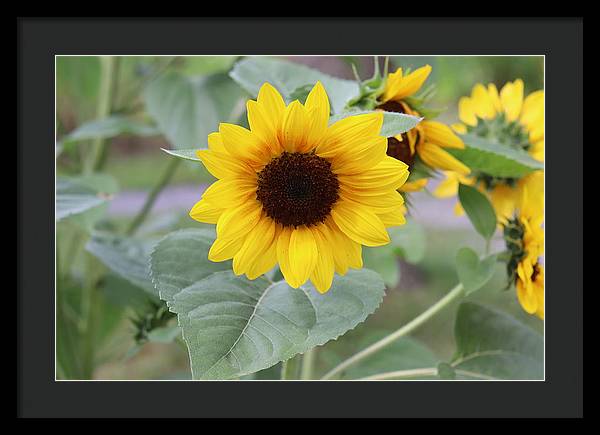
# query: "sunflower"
[[524, 239], [509, 119], [294, 191], [428, 139]]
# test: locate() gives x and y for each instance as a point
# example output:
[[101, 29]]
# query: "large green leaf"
[[127, 257], [76, 195], [251, 73], [493, 345], [479, 210], [494, 158], [233, 326], [109, 127], [187, 109], [393, 123], [473, 272]]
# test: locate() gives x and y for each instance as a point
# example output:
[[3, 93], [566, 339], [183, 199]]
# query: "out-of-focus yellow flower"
[[429, 139], [510, 119]]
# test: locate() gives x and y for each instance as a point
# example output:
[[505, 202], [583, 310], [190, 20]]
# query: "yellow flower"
[[296, 192], [428, 139], [513, 121], [524, 238]]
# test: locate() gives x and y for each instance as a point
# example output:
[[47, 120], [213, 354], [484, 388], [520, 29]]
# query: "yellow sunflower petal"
[[237, 221], [349, 132], [511, 97], [447, 187], [243, 144], [378, 202], [440, 134], [283, 257], [466, 111], [346, 252], [482, 103], [222, 164], [393, 218], [322, 275], [390, 173], [504, 199], [256, 243], [215, 142], [303, 253], [362, 157], [263, 126], [435, 157], [411, 83], [230, 191], [202, 211], [267, 260], [459, 128], [318, 109], [533, 108], [392, 86], [294, 128], [414, 186], [271, 101], [360, 224], [537, 150], [225, 249], [494, 97]]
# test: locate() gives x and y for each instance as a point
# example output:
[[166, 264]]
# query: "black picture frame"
[[560, 40]]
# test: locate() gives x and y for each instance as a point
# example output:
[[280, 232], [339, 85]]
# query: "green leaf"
[[196, 65], [76, 195], [127, 257], [446, 371], [479, 210], [187, 109], [384, 261], [233, 326], [393, 123], [184, 154], [494, 158], [109, 127], [251, 73], [165, 334], [409, 241], [491, 344], [472, 272]]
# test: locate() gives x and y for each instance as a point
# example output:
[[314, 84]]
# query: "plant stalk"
[[289, 369], [308, 362], [456, 293], [151, 198]]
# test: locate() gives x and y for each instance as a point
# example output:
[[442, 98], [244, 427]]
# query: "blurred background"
[[136, 160]]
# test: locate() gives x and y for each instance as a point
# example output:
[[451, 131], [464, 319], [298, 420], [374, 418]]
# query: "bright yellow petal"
[[230, 191], [435, 157], [346, 252], [459, 128], [243, 144], [440, 134], [263, 126], [360, 224], [358, 159], [511, 97], [283, 257], [537, 150], [294, 128], [390, 173], [238, 221], [256, 243], [392, 85], [303, 253], [411, 83], [533, 108], [414, 186], [482, 103], [222, 164], [378, 202], [349, 132], [224, 249], [271, 101], [466, 111], [318, 109], [215, 142], [322, 275], [267, 260], [494, 97], [393, 218], [202, 211], [504, 199], [447, 187]]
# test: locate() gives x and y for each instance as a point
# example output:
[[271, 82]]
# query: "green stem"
[[308, 362], [164, 180], [102, 111], [289, 369], [403, 374], [454, 294]]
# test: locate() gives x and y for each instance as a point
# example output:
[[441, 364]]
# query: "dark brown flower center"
[[400, 150], [297, 189]]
